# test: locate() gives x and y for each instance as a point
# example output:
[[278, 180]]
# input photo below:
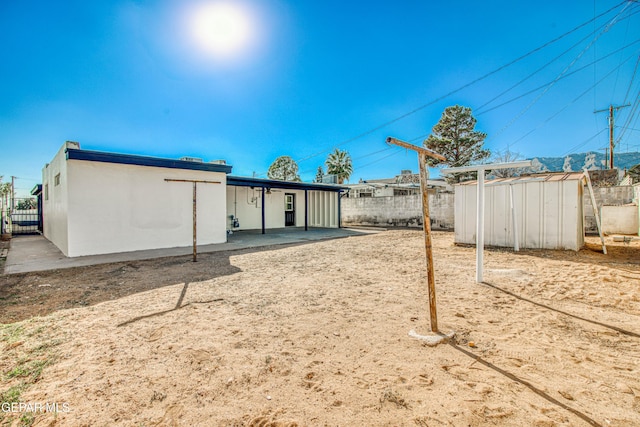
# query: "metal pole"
[[481, 169], [306, 210], [426, 221], [339, 193], [480, 227], [195, 243], [514, 217], [263, 227]]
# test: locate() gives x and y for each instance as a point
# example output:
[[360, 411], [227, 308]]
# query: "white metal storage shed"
[[548, 211]]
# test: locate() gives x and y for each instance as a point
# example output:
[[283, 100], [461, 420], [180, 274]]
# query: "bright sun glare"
[[222, 29]]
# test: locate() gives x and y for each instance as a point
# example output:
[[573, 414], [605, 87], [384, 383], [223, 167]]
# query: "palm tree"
[[339, 164]]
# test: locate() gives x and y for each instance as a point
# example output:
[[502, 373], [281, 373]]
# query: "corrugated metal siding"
[[549, 214], [323, 209]]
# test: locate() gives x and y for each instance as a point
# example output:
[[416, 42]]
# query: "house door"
[[289, 209]]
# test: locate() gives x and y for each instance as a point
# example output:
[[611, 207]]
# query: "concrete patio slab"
[[35, 253]]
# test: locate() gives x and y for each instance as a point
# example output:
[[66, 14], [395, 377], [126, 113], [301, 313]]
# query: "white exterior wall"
[[549, 214], [120, 208], [619, 219], [245, 204], [55, 198]]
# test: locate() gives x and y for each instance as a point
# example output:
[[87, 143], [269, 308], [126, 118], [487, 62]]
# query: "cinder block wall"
[[620, 195], [406, 211], [398, 211]]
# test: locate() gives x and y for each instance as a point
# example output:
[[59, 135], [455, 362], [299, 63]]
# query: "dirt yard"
[[317, 335]]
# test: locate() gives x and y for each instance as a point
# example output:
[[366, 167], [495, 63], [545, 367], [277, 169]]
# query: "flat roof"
[[548, 177], [241, 181], [130, 159]]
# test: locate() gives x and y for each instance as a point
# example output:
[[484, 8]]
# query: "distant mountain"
[[577, 162]]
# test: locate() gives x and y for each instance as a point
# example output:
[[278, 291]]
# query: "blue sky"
[[124, 76]]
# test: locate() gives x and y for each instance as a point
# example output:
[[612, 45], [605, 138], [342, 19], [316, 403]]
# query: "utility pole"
[[611, 110], [13, 193]]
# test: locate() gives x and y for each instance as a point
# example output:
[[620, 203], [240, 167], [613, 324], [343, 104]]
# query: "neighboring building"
[[97, 203], [405, 184]]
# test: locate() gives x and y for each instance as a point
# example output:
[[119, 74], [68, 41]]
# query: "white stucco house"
[[98, 202]]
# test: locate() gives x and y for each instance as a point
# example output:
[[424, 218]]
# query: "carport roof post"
[[481, 169]]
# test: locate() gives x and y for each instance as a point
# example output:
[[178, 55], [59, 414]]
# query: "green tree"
[[455, 137], [5, 188], [26, 204], [319, 174], [339, 164], [284, 168]]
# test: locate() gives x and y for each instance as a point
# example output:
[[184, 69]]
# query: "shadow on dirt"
[[26, 295]]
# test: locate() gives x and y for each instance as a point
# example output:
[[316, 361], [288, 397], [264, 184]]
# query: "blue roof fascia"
[[241, 181], [36, 190], [130, 159]]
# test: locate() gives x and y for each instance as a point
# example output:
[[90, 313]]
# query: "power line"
[[353, 159], [379, 160], [573, 149], [543, 67], [561, 78], [630, 117], [571, 64], [571, 102], [423, 106], [635, 70]]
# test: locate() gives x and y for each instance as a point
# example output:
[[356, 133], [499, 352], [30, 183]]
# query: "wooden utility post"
[[423, 153], [611, 110], [195, 194]]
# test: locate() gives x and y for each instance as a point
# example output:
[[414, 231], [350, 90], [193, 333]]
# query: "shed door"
[[289, 209]]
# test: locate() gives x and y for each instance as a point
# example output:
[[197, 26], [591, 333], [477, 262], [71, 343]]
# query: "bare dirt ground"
[[317, 334]]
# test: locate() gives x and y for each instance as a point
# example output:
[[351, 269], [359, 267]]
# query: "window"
[[288, 202], [56, 180], [46, 191]]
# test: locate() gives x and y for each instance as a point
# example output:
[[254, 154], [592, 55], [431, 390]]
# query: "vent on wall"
[[191, 159]]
